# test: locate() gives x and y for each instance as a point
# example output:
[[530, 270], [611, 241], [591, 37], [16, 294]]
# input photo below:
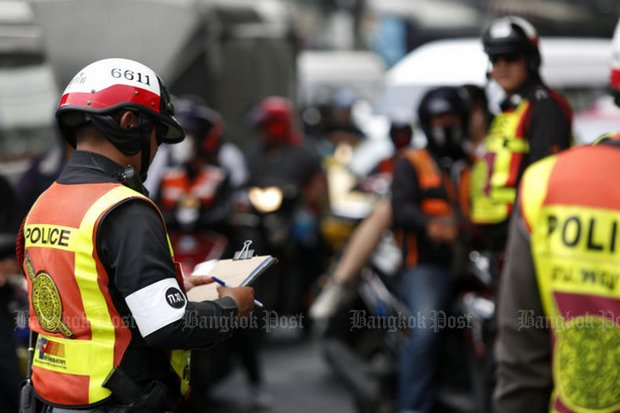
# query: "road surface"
[[297, 377]]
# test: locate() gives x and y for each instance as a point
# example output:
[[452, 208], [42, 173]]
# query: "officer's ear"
[[129, 120]]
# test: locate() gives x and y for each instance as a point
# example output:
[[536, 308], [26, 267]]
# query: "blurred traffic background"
[[233, 53], [367, 60]]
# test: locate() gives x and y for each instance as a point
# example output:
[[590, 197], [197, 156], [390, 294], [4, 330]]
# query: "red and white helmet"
[[111, 84], [614, 80]]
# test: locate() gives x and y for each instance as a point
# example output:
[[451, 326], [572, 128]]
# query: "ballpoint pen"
[[223, 284]]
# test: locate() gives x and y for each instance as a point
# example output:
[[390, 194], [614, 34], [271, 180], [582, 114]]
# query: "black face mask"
[[447, 142], [129, 141]]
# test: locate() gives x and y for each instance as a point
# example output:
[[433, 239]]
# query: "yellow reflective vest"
[[496, 173], [571, 206]]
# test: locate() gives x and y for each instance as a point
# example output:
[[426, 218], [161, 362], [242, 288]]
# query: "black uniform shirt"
[[547, 129], [133, 248]]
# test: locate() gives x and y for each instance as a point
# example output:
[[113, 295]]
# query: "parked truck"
[[230, 52]]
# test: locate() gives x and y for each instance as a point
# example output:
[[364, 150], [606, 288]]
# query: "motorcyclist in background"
[[367, 235], [425, 212], [200, 177], [329, 122], [401, 134], [342, 128], [40, 174], [207, 184], [281, 158]]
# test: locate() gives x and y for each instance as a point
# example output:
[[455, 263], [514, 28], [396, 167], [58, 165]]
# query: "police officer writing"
[[110, 309], [560, 300], [534, 122]]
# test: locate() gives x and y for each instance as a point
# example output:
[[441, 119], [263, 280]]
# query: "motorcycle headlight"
[[266, 200], [188, 211], [343, 153]]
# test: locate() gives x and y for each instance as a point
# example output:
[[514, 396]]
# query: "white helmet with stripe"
[[102, 88]]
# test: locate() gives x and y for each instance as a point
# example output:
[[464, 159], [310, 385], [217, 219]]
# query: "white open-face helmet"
[[103, 88], [512, 35]]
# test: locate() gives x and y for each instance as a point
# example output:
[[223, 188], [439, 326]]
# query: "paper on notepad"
[[234, 273]]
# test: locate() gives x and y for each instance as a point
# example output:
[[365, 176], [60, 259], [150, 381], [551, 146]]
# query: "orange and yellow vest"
[[81, 334], [495, 174], [386, 166], [430, 177], [570, 204], [176, 185]]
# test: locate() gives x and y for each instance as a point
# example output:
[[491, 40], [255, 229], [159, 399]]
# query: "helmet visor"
[[169, 130]]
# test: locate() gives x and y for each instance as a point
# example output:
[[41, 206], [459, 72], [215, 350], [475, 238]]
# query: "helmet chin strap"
[[129, 177], [146, 127]]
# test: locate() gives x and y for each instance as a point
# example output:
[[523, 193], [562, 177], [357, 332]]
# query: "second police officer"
[[535, 121]]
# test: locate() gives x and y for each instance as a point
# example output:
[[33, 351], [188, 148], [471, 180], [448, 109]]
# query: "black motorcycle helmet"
[[445, 142], [512, 35], [204, 124]]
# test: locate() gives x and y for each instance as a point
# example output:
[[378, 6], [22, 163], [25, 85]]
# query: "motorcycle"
[[282, 227], [273, 205], [362, 339], [192, 245], [366, 359], [464, 383], [202, 230], [197, 208], [476, 297]]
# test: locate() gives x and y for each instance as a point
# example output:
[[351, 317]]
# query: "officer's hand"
[[243, 296], [195, 280], [441, 230]]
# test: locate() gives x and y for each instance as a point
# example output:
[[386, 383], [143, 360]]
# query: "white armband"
[[157, 305]]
